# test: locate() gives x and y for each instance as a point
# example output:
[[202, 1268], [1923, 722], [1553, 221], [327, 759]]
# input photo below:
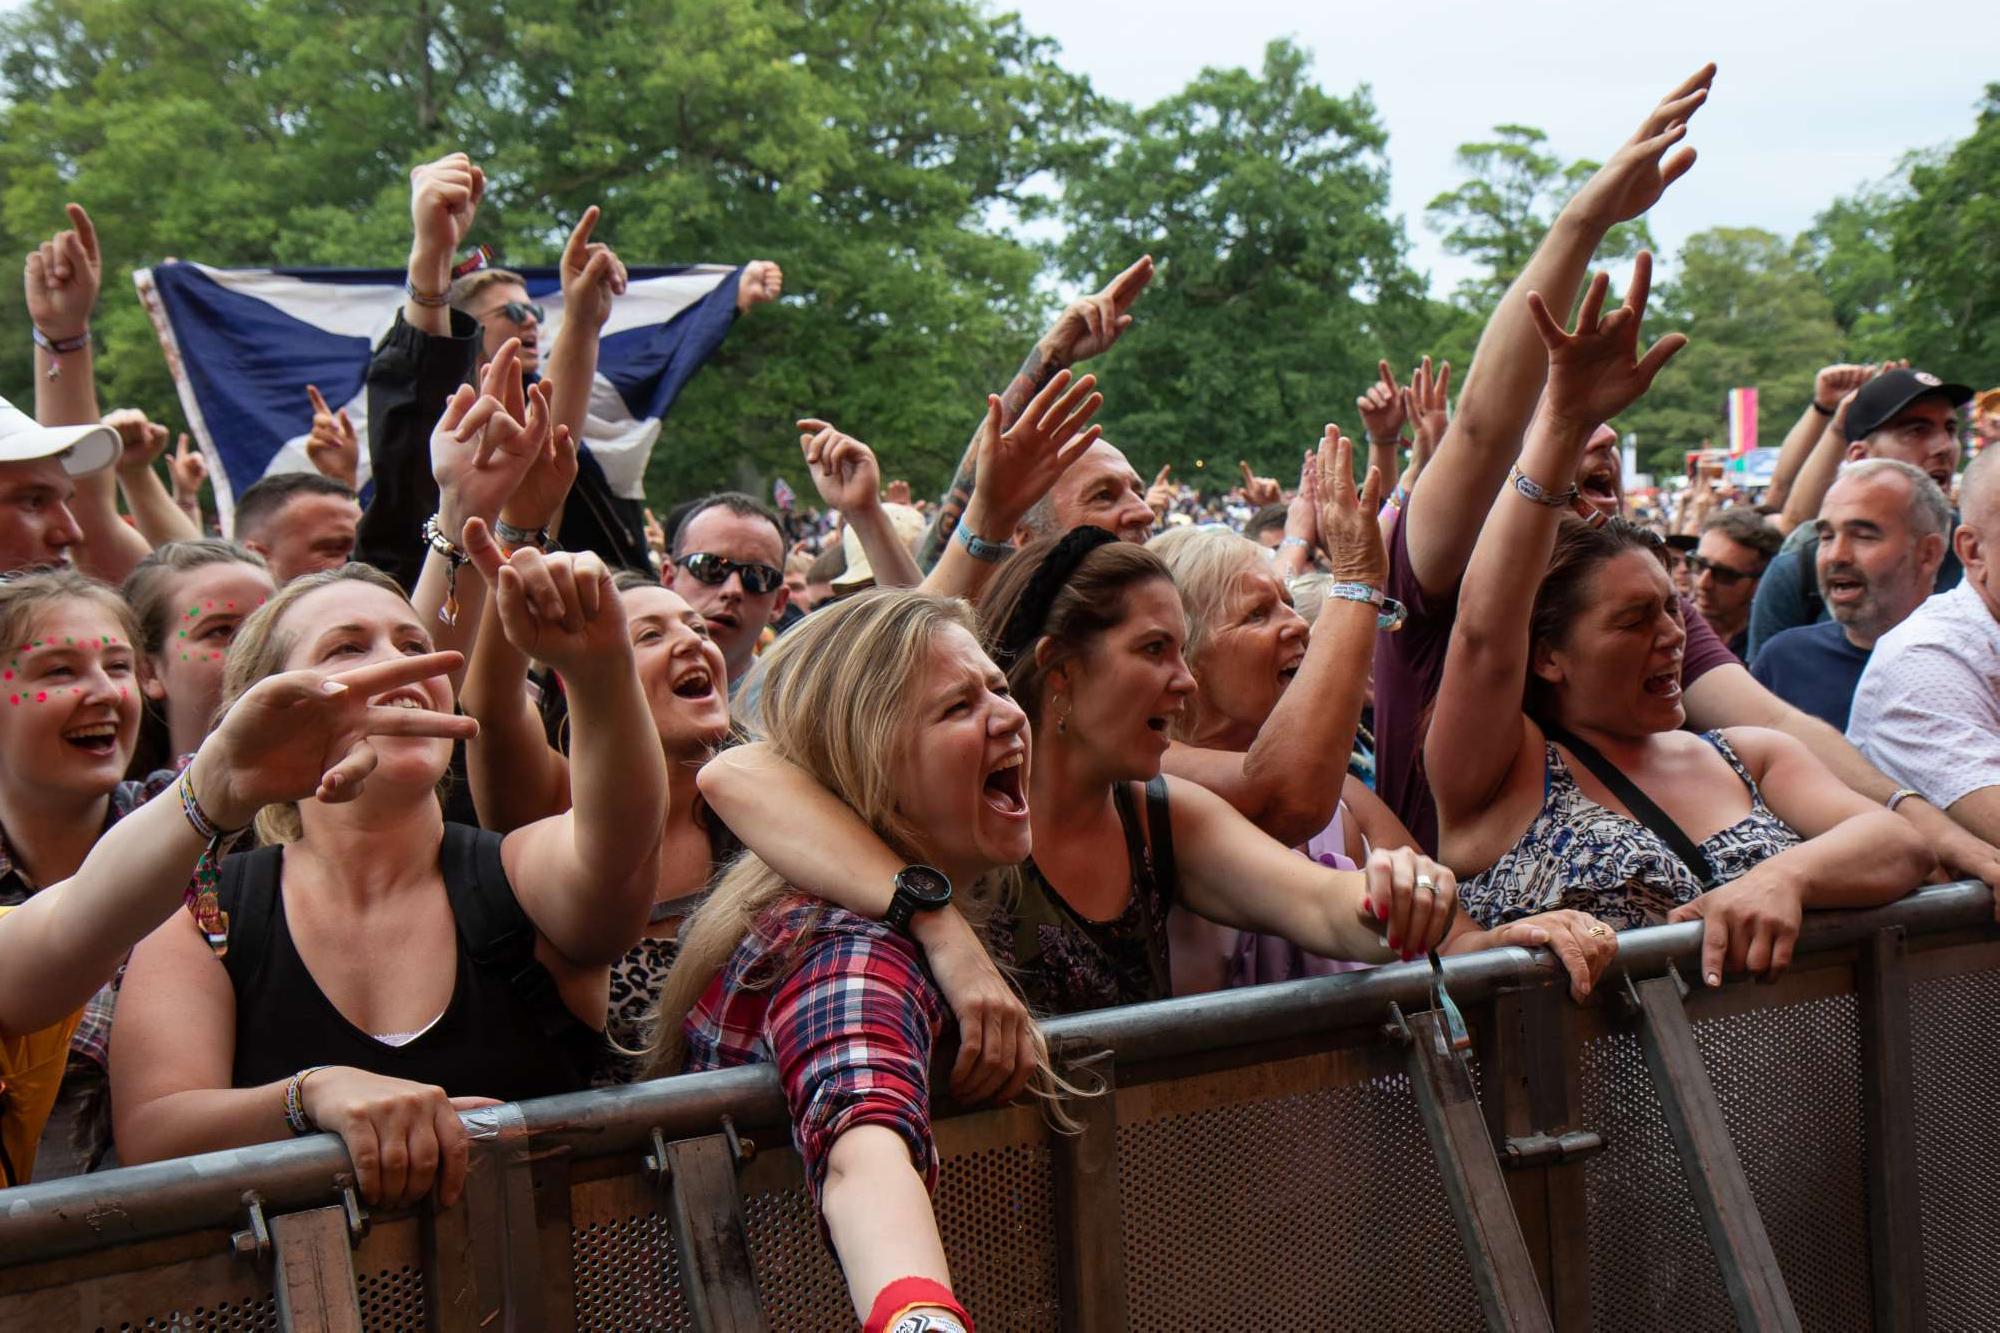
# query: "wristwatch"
[[919, 888], [1389, 613]]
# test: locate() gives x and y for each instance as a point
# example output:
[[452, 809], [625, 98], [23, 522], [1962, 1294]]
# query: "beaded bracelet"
[[205, 883], [295, 1101], [454, 557]]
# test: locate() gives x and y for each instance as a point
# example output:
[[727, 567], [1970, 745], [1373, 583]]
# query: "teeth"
[[1011, 761], [94, 733]]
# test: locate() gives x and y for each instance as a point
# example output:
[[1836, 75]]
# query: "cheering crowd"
[[500, 788]]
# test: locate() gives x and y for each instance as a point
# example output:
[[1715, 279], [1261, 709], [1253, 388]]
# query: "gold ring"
[[1600, 930]]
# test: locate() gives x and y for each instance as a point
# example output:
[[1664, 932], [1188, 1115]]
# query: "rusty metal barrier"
[[1823, 1152]]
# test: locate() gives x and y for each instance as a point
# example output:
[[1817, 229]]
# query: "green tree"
[[1755, 318], [1849, 249], [1514, 190], [861, 146], [1281, 276], [1945, 244]]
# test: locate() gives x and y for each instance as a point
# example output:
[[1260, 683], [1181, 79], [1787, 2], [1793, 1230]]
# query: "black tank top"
[[505, 1033]]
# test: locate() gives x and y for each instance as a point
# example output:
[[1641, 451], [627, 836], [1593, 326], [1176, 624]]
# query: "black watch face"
[[927, 884]]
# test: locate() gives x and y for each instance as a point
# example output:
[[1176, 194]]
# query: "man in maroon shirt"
[[1441, 519]]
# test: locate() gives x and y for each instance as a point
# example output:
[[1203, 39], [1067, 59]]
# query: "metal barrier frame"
[[668, 1176]]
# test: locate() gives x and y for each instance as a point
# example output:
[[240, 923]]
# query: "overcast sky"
[[1810, 100]]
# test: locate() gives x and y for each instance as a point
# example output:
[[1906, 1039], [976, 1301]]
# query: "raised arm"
[[1016, 466], [516, 776], [444, 199], [1475, 740], [1818, 469], [155, 513], [1289, 781], [592, 277], [1829, 387], [849, 479], [586, 877], [1444, 512], [1384, 410], [1086, 328]]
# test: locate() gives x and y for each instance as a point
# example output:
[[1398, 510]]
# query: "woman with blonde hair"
[[382, 968], [886, 703]]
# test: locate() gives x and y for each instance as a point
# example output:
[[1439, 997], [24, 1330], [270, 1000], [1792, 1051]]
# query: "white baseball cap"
[[84, 449]]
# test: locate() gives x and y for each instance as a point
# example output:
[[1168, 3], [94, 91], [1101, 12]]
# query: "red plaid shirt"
[[843, 1007]]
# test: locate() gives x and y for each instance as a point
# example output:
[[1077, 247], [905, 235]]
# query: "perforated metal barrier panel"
[[1957, 1070]]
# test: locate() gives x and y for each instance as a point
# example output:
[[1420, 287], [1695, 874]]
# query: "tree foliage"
[[1264, 200], [860, 145], [1755, 316]]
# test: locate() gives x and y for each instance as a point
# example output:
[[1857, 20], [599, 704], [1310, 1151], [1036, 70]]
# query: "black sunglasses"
[[1724, 575], [518, 311], [715, 570]]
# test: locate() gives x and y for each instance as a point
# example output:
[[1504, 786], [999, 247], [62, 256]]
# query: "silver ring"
[[1427, 884]]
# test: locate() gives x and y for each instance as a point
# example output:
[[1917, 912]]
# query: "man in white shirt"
[[1927, 710]]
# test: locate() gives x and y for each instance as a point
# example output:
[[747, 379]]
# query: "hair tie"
[[1024, 625]]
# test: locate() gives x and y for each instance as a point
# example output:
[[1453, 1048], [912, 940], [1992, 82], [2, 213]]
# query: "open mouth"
[[1003, 786], [719, 620], [696, 684], [1665, 684], [407, 697], [99, 740], [1842, 588], [1600, 488]]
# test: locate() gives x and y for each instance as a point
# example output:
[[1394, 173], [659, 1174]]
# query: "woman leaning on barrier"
[[289, 736], [887, 703], [383, 967], [1595, 798]]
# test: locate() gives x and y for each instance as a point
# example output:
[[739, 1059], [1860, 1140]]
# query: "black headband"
[[1024, 626]]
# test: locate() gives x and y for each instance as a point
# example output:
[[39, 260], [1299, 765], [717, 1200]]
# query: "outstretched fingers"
[[377, 677], [576, 250]]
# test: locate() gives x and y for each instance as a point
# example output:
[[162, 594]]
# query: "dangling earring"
[[1062, 718]]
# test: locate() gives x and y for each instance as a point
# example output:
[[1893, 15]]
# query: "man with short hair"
[[1882, 532], [1907, 415], [1736, 545], [1267, 526], [38, 470], [1927, 710], [1100, 490], [300, 522], [728, 561]]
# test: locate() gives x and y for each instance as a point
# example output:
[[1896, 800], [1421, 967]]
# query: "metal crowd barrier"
[[1822, 1152]]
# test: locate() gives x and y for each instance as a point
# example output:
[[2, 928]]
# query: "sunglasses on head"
[[518, 311], [715, 570], [1724, 575]]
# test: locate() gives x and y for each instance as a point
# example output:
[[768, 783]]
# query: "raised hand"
[[1835, 382], [656, 536], [1349, 527], [485, 443], [1596, 372], [843, 469], [592, 274], [1091, 324], [62, 277], [1017, 466], [187, 468], [1160, 495], [1640, 171], [444, 199], [762, 281], [309, 733], [1383, 407], [333, 447], [537, 502], [898, 492], [1428, 403], [142, 438], [1302, 514], [1258, 490], [558, 608]]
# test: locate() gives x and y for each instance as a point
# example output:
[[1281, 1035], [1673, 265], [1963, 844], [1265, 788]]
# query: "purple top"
[[1410, 669]]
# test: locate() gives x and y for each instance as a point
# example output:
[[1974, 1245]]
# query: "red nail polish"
[[1395, 943], [1368, 906]]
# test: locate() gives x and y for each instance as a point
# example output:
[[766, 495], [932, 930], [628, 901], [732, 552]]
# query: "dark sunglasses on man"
[[518, 311], [1727, 577], [715, 570]]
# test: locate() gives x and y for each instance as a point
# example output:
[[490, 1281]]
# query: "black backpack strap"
[[249, 894], [1160, 828], [1641, 805], [496, 932]]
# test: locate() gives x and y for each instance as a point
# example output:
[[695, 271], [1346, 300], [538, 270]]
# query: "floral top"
[[1066, 963], [1580, 855]]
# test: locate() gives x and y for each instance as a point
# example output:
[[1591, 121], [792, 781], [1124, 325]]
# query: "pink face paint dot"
[[41, 696], [6, 675], [14, 699]]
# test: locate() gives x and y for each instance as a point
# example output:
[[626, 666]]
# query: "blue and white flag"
[[243, 344]]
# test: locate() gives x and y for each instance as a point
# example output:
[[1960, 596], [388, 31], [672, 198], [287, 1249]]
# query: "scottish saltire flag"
[[243, 344]]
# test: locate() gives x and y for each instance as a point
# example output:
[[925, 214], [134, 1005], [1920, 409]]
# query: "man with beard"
[[1882, 533]]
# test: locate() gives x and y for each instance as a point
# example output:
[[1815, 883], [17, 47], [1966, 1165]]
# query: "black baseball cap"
[[1683, 541], [1880, 399]]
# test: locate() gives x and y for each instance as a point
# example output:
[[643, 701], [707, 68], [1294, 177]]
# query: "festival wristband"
[[426, 299], [891, 1310], [1390, 613], [1534, 492], [981, 549]]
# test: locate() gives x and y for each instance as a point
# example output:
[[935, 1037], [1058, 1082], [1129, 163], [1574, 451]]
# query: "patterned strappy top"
[[1580, 855]]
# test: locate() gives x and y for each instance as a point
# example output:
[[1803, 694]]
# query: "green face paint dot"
[[193, 611], [183, 633]]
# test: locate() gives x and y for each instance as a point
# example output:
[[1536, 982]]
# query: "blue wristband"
[[981, 549]]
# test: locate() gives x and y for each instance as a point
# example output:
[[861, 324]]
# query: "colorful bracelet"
[[295, 1101], [204, 885], [455, 556], [426, 299], [57, 347], [1536, 493], [905, 1294]]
